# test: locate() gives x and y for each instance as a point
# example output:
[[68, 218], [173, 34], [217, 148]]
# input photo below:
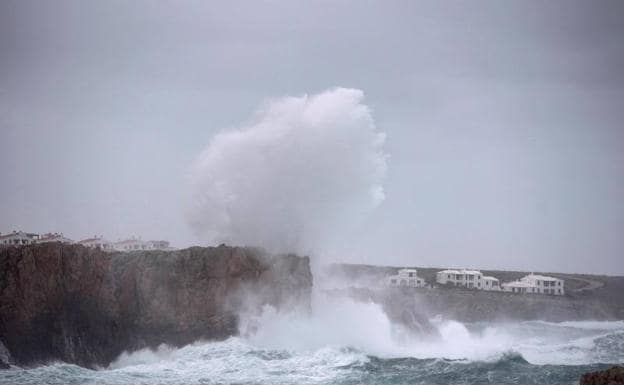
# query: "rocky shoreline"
[[84, 306], [611, 376]]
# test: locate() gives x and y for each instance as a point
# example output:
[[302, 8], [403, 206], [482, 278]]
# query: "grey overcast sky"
[[504, 119]]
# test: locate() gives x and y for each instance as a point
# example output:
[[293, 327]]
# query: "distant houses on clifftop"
[[21, 238], [17, 238], [474, 279], [131, 244]]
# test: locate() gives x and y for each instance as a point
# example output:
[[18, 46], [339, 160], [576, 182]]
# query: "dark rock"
[[84, 306], [611, 376], [5, 357]]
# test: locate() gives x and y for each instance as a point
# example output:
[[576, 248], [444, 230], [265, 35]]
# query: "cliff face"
[[612, 376], [70, 303], [474, 306]]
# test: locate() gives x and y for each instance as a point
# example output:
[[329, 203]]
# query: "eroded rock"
[[84, 306]]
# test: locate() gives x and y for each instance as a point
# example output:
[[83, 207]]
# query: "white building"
[[53, 237], [519, 287], [407, 278], [130, 245], [536, 284], [490, 283], [18, 238], [158, 245], [472, 279], [138, 244], [97, 243]]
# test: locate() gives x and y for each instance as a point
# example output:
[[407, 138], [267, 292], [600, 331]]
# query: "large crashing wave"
[[466, 354], [304, 169]]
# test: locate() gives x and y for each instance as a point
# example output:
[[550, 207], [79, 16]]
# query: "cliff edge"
[[84, 306], [612, 376]]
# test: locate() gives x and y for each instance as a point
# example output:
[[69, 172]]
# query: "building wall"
[[472, 281], [18, 238], [137, 244], [528, 285], [406, 279], [101, 244]]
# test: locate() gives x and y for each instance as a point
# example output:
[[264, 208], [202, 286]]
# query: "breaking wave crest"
[[297, 176]]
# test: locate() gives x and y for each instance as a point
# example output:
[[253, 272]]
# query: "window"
[[449, 276], [393, 281], [411, 274]]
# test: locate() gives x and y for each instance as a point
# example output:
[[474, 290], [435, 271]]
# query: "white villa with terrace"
[[536, 284], [138, 244], [20, 238], [53, 237], [97, 243], [472, 279], [17, 238], [406, 278]]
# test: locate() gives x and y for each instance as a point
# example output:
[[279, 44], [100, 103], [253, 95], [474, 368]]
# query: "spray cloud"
[[304, 169]]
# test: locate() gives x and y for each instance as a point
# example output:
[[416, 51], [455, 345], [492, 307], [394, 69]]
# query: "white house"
[[97, 243], [536, 284], [18, 238], [53, 237], [472, 279], [134, 243], [490, 283], [130, 245], [407, 278], [519, 287], [158, 245]]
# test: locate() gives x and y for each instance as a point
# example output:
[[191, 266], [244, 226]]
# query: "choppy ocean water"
[[331, 348]]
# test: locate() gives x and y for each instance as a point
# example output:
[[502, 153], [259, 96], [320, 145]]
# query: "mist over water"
[[292, 179], [341, 322]]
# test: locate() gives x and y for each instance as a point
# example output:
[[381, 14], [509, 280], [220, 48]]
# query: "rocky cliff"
[[84, 306], [612, 376], [478, 306]]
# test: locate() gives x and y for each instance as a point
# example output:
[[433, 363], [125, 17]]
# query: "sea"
[[345, 342]]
